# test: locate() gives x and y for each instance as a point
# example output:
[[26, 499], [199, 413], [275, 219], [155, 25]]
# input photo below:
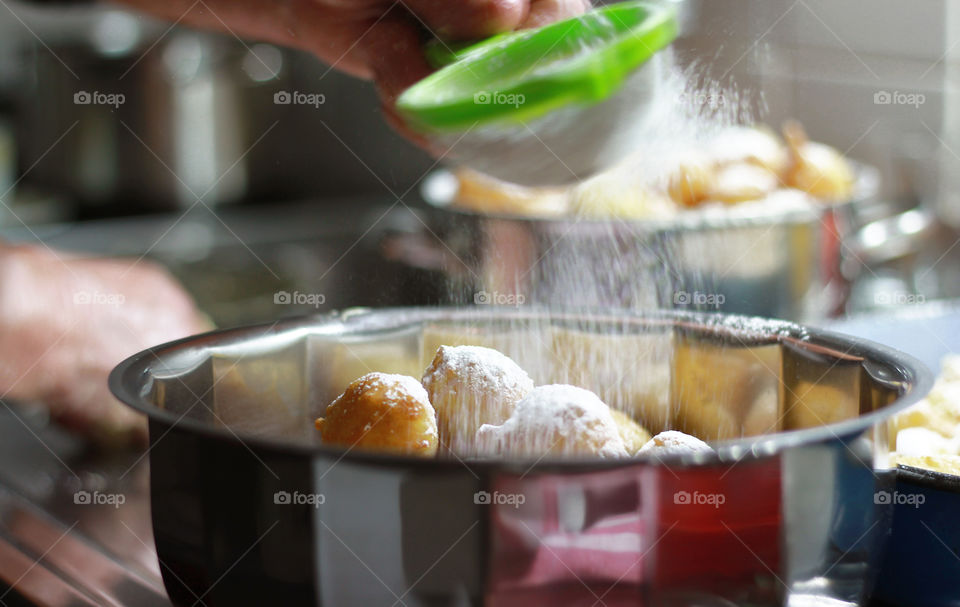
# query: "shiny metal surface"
[[780, 265], [58, 548], [248, 508]]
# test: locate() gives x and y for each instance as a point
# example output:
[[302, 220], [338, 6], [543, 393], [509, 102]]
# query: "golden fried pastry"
[[672, 442], [556, 420], [922, 415], [742, 182], [927, 435], [485, 194], [382, 412], [633, 434], [692, 181], [816, 168], [470, 386], [615, 195], [758, 146]]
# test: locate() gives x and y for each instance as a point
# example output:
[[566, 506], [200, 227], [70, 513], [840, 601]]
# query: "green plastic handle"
[[520, 76]]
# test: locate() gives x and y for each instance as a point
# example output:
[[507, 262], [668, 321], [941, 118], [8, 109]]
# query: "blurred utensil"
[[550, 105]]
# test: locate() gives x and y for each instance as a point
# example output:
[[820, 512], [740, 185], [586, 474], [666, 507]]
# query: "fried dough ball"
[[556, 420], [615, 194], [692, 181], [470, 386], [757, 146], [382, 412], [672, 442], [485, 194], [742, 182], [633, 434], [815, 168]]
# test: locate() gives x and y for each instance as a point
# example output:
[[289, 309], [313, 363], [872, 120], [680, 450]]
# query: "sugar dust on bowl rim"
[[248, 508]]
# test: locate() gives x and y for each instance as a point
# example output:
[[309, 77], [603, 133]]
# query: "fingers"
[[393, 52], [543, 12], [468, 19]]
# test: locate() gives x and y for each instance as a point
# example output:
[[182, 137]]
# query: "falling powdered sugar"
[[672, 443], [470, 386], [396, 388]]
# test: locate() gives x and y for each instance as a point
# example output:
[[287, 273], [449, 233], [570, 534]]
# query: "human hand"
[[66, 321], [377, 39]]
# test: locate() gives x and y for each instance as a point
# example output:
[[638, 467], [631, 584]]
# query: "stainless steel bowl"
[[782, 264], [249, 509]]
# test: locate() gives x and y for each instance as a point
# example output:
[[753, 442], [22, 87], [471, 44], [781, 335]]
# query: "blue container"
[[921, 565]]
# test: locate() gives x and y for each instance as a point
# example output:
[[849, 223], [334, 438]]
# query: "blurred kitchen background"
[[250, 169]]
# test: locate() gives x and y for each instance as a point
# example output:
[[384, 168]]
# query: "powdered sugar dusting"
[[556, 418], [470, 386], [484, 369], [672, 442], [397, 387]]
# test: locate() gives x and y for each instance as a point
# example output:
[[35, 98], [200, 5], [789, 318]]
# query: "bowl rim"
[[932, 479], [917, 377]]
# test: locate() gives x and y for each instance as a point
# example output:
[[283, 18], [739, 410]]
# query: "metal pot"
[[775, 264], [248, 508]]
